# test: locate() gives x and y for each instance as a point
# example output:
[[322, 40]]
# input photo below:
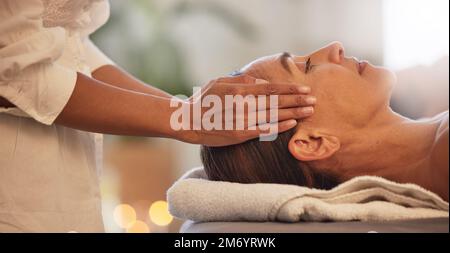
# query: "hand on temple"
[[293, 103]]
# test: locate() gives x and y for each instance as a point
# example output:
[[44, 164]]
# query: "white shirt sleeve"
[[29, 76], [94, 56], [99, 15]]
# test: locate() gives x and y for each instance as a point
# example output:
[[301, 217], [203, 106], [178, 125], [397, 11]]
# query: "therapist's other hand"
[[293, 103]]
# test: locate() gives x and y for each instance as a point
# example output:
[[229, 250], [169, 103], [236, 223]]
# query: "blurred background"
[[177, 44]]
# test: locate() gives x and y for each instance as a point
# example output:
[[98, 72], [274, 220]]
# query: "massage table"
[[435, 225]]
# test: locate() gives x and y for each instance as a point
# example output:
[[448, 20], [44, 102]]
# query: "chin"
[[383, 76]]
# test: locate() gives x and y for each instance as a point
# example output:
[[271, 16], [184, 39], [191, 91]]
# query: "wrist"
[[184, 130], [189, 136]]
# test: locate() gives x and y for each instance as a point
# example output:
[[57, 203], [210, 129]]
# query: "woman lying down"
[[353, 131]]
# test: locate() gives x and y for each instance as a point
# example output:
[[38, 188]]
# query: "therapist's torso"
[[49, 174]]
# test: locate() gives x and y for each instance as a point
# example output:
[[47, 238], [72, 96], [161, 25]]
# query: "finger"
[[275, 89], [286, 125], [291, 113], [269, 128], [262, 117], [289, 101]]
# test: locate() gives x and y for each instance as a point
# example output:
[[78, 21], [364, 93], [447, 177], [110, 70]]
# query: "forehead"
[[275, 68], [261, 62]]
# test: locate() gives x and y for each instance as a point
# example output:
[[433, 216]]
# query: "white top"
[[48, 173]]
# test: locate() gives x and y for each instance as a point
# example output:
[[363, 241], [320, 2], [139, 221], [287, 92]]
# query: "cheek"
[[344, 97], [340, 87]]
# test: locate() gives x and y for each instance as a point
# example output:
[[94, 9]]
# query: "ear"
[[310, 145]]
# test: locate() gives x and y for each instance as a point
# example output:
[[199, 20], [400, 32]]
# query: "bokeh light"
[[159, 213], [124, 215], [138, 227]]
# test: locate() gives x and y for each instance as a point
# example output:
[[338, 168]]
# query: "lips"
[[359, 65], [362, 66]]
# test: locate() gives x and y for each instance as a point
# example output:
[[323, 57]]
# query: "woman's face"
[[349, 93]]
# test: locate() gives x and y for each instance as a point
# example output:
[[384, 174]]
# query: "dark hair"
[[258, 161]]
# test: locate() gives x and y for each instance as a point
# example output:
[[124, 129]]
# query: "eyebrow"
[[284, 61]]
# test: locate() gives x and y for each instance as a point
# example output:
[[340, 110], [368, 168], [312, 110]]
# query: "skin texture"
[[353, 131], [114, 102]]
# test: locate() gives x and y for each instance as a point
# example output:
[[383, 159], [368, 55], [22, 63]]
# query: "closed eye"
[[306, 66]]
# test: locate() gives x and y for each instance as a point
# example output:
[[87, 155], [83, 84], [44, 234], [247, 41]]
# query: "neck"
[[393, 147]]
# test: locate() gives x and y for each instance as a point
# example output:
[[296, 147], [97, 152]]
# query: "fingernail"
[[260, 81], [304, 89], [311, 100], [291, 123], [308, 110]]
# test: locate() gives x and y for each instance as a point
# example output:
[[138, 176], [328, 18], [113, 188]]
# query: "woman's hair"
[[258, 161]]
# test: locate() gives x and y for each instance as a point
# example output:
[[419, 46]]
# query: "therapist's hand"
[[293, 103], [95, 106]]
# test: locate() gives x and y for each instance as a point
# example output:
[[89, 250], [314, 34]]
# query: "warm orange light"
[[159, 213], [124, 215], [138, 227]]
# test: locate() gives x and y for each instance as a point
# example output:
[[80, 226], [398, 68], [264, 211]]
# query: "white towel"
[[365, 198]]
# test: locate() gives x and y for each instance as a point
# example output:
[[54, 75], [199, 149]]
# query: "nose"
[[335, 52]]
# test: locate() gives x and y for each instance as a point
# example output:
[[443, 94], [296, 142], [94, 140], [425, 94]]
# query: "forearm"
[[117, 77], [98, 107]]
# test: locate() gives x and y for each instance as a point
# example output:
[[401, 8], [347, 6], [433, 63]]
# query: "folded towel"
[[365, 198]]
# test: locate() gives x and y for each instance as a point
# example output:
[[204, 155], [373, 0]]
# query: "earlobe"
[[311, 147]]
